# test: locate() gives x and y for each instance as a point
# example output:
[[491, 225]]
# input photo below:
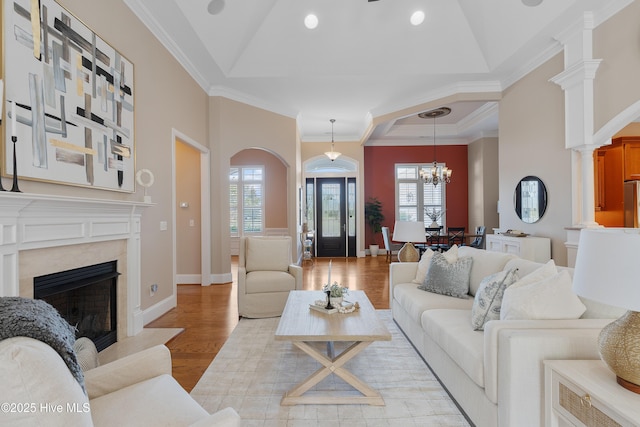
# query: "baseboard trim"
[[157, 310], [188, 279], [219, 279]]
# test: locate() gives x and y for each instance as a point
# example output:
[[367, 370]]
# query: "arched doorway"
[[330, 205], [257, 195]]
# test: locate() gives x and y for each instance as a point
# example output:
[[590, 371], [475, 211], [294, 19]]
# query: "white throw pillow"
[[488, 299], [547, 270], [550, 298], [423, 266]]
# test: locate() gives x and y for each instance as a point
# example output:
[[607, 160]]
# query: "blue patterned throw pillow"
[[488, 299], [448, 278]]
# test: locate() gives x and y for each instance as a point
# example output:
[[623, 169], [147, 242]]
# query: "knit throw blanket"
[[37, 319]]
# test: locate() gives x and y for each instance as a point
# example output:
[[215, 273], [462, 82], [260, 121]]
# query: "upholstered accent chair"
[[136, 390], [266, 275]]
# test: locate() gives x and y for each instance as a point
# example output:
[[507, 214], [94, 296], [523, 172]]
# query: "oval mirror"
[[530, 199]]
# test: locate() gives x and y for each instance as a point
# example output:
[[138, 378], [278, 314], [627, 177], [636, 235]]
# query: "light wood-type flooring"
[[209, 314]]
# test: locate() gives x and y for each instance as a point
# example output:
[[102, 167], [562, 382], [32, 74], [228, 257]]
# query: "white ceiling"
[[365, 65]]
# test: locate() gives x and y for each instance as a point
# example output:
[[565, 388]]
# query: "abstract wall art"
[[73, 97]]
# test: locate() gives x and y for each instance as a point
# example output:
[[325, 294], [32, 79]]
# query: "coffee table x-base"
[[301, 325]]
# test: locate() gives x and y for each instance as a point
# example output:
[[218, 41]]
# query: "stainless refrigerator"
[[631, 204]]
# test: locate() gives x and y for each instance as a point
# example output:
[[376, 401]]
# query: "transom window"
[[415, 200], [246, 200]]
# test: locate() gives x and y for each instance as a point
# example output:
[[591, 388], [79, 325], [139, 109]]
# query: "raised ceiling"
[[365, 65]]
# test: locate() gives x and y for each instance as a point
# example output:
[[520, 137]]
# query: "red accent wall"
[[379, 180]]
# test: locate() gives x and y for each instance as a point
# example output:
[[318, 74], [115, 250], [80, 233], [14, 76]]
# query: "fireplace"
[[86, 297]]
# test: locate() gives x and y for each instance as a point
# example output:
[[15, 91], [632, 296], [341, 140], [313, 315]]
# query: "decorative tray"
[[515, 234]]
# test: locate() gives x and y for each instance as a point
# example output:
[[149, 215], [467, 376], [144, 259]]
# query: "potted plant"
[[374, 217], [434, 215], [337, 294]]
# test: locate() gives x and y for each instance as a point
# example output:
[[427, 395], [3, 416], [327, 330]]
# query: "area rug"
[[252, 371]]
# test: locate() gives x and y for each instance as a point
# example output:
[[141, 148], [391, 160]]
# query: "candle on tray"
[[13, 118], [329, 278]]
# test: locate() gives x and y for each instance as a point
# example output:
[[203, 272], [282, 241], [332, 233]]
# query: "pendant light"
[[435, 174], [332, 154]]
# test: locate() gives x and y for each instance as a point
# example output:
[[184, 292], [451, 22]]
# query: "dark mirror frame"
[[541, 199]]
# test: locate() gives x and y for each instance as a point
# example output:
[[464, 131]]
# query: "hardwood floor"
[[209, 314]]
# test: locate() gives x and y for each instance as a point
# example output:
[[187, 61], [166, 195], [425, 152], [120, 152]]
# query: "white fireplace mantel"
[[36, 221]]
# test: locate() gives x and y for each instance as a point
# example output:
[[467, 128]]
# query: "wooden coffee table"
[[301, 325]]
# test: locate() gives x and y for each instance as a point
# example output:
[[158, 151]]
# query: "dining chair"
[[391, 248], [433, 238], [455, 236], [478, 242]]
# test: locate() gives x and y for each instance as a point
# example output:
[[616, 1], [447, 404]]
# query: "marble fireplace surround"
[[42, 234]]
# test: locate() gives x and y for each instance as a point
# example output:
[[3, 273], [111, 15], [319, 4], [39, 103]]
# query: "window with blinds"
[[246, 200], [415, 200]]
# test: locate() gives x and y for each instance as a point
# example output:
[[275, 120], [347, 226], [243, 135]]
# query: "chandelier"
[[435, 174], [332, 154]]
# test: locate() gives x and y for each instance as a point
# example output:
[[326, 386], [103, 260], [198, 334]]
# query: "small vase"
[[335, 301], [434, 224]]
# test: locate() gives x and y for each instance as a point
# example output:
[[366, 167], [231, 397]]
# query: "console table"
[[585, 393], [536, 249]]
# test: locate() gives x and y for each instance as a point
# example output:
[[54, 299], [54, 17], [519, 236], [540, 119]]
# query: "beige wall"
[[166, 97], [483, 183], [275, 184], [531, 142], [188, 191], [617, 85], [234, 127]]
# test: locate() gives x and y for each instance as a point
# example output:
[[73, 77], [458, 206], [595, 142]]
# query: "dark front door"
[[331, 217]]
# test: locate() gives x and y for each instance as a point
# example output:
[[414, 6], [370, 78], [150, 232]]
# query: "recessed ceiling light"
[[531, 2], [215, 7], [311, 21], [417, 18]]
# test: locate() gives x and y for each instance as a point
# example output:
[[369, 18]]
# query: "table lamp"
[[409, 232], [607, 270]]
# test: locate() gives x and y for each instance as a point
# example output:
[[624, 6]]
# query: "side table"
[[585, 393]]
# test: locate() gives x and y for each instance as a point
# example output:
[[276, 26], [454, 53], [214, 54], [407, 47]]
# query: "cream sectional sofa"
[[496, 375]]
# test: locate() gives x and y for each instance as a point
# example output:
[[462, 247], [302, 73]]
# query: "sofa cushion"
[[451, 330], [425, 261], [598, 310], [484, 263], [448, 278], [260, 282], [416, 301], [172, 405], [488, 299], [550, 298], [268, 253]]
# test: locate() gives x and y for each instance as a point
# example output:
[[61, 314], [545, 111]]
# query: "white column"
[[587, 214], [577, 83]]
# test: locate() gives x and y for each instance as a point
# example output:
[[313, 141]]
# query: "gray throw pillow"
[[448, 279], [488, 299]]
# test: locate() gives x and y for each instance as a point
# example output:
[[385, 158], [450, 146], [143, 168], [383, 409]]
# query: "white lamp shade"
[[409, 231], [607, 266]]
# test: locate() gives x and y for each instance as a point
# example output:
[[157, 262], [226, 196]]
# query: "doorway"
[[203, 216], [335, 210]]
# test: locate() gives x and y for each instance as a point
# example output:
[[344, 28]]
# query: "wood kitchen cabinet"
[[614, 164]]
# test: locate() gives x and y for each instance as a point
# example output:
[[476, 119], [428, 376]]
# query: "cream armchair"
[[266, 275], [137, 390]]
